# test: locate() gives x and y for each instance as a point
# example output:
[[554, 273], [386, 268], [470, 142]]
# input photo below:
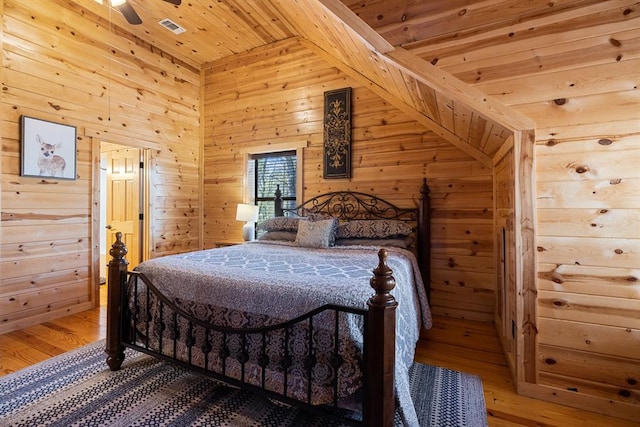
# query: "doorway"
[[121, 195]]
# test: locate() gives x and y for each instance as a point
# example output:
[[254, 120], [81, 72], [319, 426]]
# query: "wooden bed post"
[[424, 239], [117, 266], [379, 401]]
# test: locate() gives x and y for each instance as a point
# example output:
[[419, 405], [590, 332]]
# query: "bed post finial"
[[277, 201], [118, 250], [117, 266], [380, 353], [382, 281]]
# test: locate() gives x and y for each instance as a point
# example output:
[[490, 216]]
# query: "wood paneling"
[[65, 65], [571, 66]]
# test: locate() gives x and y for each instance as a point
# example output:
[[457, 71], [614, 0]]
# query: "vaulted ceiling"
[[388, 46]]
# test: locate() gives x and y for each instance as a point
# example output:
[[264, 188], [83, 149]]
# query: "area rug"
[[77, 389]]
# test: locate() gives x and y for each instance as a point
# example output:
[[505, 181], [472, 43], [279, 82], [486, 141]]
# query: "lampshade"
[[247, 212]]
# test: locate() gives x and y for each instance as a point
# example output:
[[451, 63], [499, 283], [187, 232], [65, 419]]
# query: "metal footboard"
[[269, 360]]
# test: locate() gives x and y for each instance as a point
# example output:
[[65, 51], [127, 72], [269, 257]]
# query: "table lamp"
[[249, 214]]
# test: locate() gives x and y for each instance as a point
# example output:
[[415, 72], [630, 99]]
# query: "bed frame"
[[378, 403]]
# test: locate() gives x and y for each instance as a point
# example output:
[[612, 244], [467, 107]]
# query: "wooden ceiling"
[[389, 46]]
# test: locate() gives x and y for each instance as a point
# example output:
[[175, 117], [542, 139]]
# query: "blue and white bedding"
[[262, 283]]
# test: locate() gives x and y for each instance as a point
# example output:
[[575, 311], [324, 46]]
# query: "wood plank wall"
[[274, 96], [582, 91], [62, 63]]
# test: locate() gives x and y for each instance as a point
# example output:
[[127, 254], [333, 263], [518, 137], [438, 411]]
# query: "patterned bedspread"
[[261, 283]]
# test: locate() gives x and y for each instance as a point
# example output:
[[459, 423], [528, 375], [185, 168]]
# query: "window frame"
[[297, 146]]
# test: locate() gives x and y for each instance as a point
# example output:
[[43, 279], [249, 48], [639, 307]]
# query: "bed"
[[306, 315]]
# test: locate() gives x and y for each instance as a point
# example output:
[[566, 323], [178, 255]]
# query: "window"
[[270, 170]]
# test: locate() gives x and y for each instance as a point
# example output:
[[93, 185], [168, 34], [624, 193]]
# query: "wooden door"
[[123, 200]]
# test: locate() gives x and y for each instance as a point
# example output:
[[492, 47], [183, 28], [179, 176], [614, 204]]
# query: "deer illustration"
[[50, 164]]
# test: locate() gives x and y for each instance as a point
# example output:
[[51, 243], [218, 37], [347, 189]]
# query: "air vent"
[[172, 26]]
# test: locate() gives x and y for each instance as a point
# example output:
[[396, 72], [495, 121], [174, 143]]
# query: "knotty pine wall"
[[274, 96], [581, 88], [61, 63]]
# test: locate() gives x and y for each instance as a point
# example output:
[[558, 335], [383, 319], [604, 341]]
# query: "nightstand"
[[223, 243]]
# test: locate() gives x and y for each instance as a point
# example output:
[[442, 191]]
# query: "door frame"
[[96, 209]]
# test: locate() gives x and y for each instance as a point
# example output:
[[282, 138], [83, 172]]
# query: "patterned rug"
[[77, 389]]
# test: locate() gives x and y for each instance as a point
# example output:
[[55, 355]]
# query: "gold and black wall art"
[[337, 133]]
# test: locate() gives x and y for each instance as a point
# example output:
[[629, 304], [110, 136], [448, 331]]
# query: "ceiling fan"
[[129, 12]]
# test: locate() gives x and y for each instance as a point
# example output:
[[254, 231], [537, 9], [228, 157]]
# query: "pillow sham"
[[373, 229], [400, 242], [316, 234], [285, 236], [280, 223]]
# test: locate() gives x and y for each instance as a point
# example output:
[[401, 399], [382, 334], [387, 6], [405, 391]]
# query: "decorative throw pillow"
[[373, 229], [316, 234], [280, 223]]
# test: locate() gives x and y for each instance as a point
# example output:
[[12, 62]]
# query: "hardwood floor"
[[456, 344]]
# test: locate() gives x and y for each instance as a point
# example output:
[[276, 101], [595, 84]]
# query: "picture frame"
[[337, 134], [48, 149]]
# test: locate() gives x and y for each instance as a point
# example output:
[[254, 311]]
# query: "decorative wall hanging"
[[337, 133], [48, 149]]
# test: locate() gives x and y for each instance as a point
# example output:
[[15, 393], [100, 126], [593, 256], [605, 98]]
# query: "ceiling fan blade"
[[176, 2], [129, 13]]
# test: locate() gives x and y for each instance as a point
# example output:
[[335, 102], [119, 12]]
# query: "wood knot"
[[615, 181], [551, 142], [582, 168], [624, 393], [632, 381], [615, 42], [549, 361], [619, 251], [605, 141], [560, 303], [560, 101]]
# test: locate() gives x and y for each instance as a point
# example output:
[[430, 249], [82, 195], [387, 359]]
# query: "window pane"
[[272, 170]]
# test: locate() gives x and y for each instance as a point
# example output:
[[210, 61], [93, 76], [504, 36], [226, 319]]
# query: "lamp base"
[[248, 231]]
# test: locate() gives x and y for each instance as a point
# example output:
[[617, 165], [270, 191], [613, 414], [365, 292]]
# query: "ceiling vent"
[[172, 26]]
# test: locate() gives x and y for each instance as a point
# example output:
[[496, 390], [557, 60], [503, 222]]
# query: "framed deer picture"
[[48, 149]]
